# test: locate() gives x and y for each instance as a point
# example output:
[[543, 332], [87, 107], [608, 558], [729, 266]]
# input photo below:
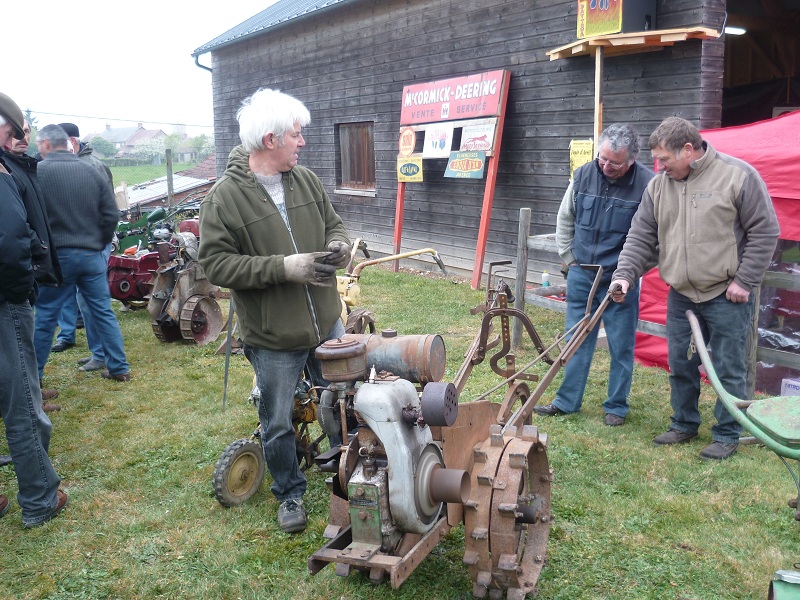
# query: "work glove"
[[309, 269], [339, 254], [618, 289]]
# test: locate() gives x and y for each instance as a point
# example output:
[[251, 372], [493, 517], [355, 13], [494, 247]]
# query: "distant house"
[[130, 141]]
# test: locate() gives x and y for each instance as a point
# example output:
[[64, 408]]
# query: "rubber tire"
[[245, 460]]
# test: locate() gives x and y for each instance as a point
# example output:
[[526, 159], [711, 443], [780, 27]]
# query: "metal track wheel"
[[239, 472], [507, 518], [166, 332], [201, 320]]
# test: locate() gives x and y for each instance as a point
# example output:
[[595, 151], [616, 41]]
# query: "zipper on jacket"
[[689, 228], [309, 300]]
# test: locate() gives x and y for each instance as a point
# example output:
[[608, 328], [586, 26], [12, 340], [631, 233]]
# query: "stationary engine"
[[129, 277], [390, 474]]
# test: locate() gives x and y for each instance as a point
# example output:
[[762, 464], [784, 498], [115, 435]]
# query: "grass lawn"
[[142, 173], [630, 520]]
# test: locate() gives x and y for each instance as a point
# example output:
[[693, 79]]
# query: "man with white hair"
[[269, 233]]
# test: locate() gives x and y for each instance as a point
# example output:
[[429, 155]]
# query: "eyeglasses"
[[614, 165]]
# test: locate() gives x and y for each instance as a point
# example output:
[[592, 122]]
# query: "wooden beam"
[[763, 56], [598, 96], [632, 43]]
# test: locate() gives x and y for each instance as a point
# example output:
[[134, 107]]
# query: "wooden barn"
[[350, 61]]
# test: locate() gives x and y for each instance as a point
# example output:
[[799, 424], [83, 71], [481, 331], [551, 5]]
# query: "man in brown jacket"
[[709, 219]]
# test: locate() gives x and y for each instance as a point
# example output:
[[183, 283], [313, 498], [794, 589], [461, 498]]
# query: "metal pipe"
[[360, 266], [450, 485]]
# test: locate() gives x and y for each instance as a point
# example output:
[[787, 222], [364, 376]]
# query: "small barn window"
[[356, 154]]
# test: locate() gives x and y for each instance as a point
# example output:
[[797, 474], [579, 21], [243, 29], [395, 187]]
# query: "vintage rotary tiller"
[[416, 462]]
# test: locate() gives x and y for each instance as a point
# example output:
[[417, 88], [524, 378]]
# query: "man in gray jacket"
[[710, 220], [83, 216]]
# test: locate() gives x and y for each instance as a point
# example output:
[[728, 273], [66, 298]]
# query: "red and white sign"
[[408, 140], [478, 136], [454, 99]]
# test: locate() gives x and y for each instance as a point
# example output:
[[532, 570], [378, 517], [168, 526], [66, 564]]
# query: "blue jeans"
[[69, 318], [725, 326], [67, 321], [27, 427], [619, 322], [277, 376], [84, 270]]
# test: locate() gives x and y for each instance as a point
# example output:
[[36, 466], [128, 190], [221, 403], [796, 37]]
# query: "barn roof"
[[278, 14]]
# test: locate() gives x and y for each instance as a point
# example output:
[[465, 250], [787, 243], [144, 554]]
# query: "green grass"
[[631, 520], [142, 173]]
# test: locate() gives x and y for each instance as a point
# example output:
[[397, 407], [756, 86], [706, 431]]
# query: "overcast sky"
[[98, 62]]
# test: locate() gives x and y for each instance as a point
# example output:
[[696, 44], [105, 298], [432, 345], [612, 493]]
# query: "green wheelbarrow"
[[774, 422]]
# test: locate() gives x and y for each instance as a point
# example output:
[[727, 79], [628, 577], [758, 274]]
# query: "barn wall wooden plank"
[[352, 65]]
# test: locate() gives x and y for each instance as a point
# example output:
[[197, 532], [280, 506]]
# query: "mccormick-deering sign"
[[452, 99]]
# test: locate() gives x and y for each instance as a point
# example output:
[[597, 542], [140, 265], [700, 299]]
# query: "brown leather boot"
[[47, 395]]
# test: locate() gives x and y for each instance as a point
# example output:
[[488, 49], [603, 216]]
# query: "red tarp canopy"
[[772, 147]]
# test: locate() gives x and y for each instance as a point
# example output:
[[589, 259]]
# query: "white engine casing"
[[381, 405]]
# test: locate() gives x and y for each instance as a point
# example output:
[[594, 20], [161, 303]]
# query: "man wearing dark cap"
[[27, 427], [84, 151], [46, 270]]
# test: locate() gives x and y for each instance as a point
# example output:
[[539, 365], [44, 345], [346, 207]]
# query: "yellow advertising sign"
[[599, 17], [409, 168], [580, 153]]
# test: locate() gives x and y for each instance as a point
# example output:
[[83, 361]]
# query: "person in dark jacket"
[[591, 227], [83, 217], [71, 317], [27, 428], [269, 233], [46, 270]]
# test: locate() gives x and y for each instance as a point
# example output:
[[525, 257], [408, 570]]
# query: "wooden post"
[[170, 190], [598, 96], [399, 209], [522, 273], [752, 345], [488, 194]]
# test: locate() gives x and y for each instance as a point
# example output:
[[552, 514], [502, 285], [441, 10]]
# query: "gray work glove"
[[339, 254], [309, 269]]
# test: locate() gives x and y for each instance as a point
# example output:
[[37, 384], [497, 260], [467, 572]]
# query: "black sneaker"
[[61, 345], [548, 410], [292, 517]]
